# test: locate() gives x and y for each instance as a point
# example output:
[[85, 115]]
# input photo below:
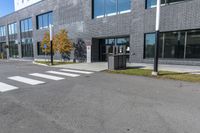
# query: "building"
[[101, 24], [20, 4]]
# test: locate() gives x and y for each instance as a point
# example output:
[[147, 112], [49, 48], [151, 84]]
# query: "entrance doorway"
[[113, 45]]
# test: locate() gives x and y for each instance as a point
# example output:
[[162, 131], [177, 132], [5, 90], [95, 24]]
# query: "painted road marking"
[[46, 76], [26, 80], [5, 87], [64, 74], [76, 71]]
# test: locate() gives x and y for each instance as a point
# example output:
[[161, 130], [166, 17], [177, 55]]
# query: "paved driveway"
[[96, 103]]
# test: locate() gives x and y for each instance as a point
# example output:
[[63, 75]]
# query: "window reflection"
[[174, 45], [124, 6], [102, 8], [99, 8], [193, 44], [26, 25], [44, 20], [111, 8], [12, 28], [2, 31], [152, 3]]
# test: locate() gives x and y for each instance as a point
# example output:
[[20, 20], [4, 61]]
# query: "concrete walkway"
[[173, 68], [96, 67], [100, 66]]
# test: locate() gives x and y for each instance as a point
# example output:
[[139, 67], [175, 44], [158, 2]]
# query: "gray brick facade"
[[76, 17]]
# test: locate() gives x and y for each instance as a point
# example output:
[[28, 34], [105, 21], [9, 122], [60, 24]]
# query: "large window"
[[2, 31], [44, 20], [13, 49], [27, 47], [152, 3], [102, 8], [26, 25], [193, 44], [12, 28], [174, 45]]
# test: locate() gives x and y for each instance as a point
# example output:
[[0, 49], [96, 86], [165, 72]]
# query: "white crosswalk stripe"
[[46, 76], [76, 71], [64, 74], [5, 87], [26, 80]]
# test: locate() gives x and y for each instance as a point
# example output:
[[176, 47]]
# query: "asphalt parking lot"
[[76, 101]]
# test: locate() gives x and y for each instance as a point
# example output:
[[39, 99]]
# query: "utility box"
[[118, 58], [116, 62]]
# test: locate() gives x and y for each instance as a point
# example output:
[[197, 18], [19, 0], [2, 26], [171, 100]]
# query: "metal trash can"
[[116, 62]]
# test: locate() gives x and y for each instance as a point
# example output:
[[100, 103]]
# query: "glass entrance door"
[[118, 45]]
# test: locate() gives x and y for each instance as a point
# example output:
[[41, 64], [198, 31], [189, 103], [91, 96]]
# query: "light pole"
[[155, 71], [51, 41]]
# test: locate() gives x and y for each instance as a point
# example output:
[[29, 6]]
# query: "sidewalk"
[[96, 67], [173, 68], [100, 66]]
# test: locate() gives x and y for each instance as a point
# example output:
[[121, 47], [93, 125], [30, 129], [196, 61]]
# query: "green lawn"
[[54, 63], [162, 74]]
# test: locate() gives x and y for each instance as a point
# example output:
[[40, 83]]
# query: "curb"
[[40, 64]]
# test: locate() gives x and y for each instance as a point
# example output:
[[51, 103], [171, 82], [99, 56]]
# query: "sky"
[[6, 7]]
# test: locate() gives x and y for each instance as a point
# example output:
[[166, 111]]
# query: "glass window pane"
[[161, 43], [98, 8], [4, 31], [124, 6], [22, 26], [50, 19], [45, 21], [110, 41], [193, 44], [111, 7], [9, 29], [30, 24], [40, 24], [26, 25], [15, 28], [174, 45], [150, 45], [150, 3], [12, 29], [122, 41]]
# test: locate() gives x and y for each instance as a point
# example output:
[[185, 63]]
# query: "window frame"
[[49, 21], [26, 22], [12, 28], [117, 12], [166, 3], [2, 31], [185, 57]]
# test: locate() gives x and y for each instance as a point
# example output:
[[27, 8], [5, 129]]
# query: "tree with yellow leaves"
[[63, 44], [46, 41]]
